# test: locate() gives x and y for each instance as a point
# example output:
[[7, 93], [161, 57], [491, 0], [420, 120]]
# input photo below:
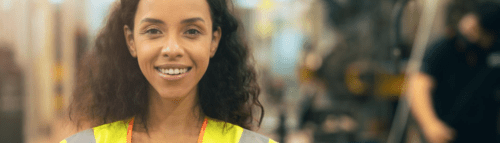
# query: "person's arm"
[[419, 92]]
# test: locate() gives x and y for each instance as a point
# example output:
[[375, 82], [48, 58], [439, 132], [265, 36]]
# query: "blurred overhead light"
[[55, 1], [6, 4], [247, 3]]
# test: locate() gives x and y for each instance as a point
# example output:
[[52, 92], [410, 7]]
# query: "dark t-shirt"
[[466, 91]]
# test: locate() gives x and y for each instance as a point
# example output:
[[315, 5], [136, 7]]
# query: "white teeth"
[[173, 71]]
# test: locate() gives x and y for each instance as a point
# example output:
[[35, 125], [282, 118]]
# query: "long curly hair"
[[111, 87]]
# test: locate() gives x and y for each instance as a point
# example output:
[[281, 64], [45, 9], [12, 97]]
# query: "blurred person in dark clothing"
[[455, 94]]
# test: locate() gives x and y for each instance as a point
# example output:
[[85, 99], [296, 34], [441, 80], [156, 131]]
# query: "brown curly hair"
[[111, 87]]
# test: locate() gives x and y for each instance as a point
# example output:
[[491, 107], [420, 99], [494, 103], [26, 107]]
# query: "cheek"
[[203, 61], [146, 54], [201, 55]]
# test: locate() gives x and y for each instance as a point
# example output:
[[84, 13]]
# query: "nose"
[[172, 50]]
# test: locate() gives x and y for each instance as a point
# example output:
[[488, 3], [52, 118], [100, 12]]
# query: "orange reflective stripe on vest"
[[202, 131]]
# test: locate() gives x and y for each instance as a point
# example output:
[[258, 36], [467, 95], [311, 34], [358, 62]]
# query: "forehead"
[[172, 10]]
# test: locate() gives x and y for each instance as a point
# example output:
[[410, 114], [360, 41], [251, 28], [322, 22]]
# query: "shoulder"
[[438, 55], [116, 131], [86, 136], [220, 131], [112, 132], [442, 47], [252, 137]]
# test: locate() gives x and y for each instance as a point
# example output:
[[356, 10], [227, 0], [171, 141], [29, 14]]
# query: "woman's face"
[[173, 42]]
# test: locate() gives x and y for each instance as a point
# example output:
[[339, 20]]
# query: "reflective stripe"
[[130, 129], [202, 131], [86, 136], [216, 133], [252, 137], [115, 132]]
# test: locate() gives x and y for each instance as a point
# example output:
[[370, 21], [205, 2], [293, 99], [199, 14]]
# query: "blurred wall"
[[41, 34], [47, 37]]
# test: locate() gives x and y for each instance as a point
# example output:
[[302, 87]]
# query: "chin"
[[173, 93]]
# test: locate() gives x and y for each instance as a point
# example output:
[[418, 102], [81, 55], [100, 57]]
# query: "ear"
[[129, 39], [215, 41]]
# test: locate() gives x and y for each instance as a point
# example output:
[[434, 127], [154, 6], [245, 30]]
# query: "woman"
[[168, 71]]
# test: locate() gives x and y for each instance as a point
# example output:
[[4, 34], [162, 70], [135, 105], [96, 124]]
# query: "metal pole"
[[421, 40]]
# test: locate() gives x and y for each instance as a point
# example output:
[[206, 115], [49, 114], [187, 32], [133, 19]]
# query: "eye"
[[192, 32], [153, 31]]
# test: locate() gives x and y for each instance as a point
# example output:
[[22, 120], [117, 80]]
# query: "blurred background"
[[330, 70]]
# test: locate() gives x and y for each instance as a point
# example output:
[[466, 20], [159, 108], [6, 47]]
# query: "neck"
[[486, 44], [174, 115]]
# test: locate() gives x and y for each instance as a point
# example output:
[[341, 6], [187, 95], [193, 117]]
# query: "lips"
[[173, 72]]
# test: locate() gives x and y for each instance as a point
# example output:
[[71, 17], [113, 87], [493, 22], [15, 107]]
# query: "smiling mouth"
[[173, 71]]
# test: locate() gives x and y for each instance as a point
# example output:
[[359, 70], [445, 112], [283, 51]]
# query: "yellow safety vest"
[[212, 132]]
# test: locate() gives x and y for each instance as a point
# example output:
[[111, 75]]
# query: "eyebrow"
[[192, 20], [152, 20]]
